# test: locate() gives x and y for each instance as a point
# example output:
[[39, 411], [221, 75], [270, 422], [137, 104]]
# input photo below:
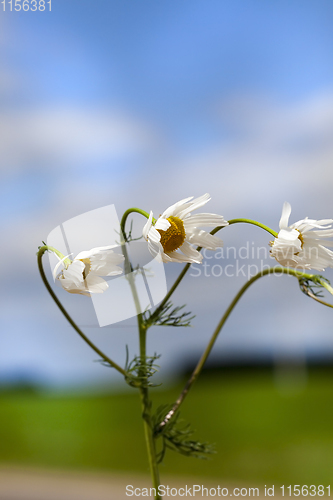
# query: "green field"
[[260, 434]]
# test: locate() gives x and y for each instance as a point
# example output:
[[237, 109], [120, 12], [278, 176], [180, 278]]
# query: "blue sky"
[[147, 102], [167, 57]]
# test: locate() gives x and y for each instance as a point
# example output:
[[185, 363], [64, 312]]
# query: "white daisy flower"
[[302, 243], [83, 274], [171, 238]]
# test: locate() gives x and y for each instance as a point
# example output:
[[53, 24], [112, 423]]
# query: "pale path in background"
[[39, 484]]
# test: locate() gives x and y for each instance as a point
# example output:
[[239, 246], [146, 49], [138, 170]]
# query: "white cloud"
[[57, 137], [274, 123]]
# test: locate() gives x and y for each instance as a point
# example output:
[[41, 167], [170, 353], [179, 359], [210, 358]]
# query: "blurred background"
[[143, 103]]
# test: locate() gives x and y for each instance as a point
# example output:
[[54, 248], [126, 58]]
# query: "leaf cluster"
[[176, 435], [313, 287], [139, 370], [169, 316]]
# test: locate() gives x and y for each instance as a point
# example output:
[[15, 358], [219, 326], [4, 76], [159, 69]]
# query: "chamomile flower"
[[83, 274], [302, 244], [171, 237]]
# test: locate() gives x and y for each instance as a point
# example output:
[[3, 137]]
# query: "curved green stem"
[[126, 214], [61, 256], [217, 330], [40, 254], [328, 287], [255, 223]]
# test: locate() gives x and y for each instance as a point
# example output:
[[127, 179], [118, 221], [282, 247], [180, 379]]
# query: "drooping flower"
[[171, 237], [302, 244], [83, 274]]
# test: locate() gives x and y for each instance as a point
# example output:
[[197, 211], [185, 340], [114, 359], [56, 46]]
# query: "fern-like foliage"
[[140, 371], [313, 287], [177, 436], [169, 316]]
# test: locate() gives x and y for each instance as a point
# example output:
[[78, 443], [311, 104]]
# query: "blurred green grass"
[[261, 434]]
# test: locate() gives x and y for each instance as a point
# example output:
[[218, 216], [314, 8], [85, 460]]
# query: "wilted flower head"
[[171, 238], [82, 275], [302, 244]]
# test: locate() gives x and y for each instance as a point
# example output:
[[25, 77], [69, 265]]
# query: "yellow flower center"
[[87, 268], [174, 236], [300, 237]]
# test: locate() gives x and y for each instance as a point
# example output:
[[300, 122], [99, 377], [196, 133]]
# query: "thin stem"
[[61, 256], [40, 254], [255, 223], [328, 287], [126, 214], [220, 325], [144, 393], [146, 415], [157, 311]]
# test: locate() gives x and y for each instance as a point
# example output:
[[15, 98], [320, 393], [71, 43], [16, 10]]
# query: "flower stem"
[[146, 415], [61, 256], [40, 254], [126, 214], [144, 393], [217, 330], [328, 287], [255, 223], [170, 292]]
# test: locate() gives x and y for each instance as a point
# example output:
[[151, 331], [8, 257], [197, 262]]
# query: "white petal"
[[156, 249], [154, 235], [288, 235], [205, 240], [166, 258], [101, 263], [106, 269], [322, 224], [162, 224], [95, 284], [286, 211], [325, 233], [194, 205], [178, 257], [147, 226], [327, 243], [70, 287], [305, 225], [74, 272], [87, 254], [173, 257], [61, 261], [191, 253], [204, 220], [175, 207]]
